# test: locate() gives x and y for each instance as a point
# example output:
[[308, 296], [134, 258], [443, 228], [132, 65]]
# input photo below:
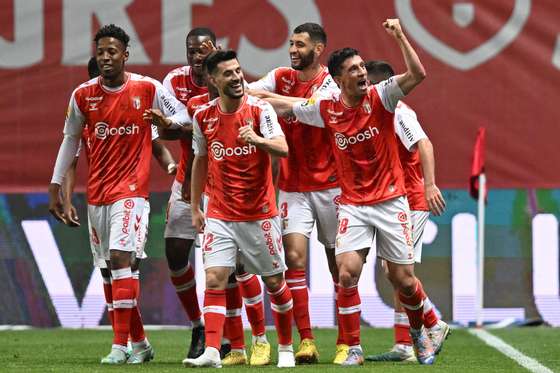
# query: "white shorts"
[[390, 220], [258, 244], [418, 220], [300, 211], [178, 222], [122, 225]]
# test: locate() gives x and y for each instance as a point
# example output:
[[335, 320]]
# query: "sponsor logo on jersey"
[[167, 104], [342, 141], [406, 130], [219, 151], [103, 130]]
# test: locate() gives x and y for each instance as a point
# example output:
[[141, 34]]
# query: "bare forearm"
[[276, 146], [69, 182], [162, 154], [415, 71], [426, 150], [283, 105]]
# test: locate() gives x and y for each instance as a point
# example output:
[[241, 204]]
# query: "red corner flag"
[[478, 162]]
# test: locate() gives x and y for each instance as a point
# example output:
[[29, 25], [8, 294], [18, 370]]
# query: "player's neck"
[[230, 104], [114, 82], [310, 72], [198, 80], [351, 100]]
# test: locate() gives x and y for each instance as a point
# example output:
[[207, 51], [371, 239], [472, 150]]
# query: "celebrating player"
[[118, 108], [373, 202], [234, 137], [417, 158], [307, 179]]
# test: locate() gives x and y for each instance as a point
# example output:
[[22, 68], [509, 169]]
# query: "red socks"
[[233, 327], [340, 336], [185, 286], [349, 308], [251, 291], [414, 305], [298, 287], [136, 326], [123, 302], [214, 317], [282, 311]]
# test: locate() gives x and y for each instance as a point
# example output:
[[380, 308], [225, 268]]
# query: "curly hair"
[[113, 32]]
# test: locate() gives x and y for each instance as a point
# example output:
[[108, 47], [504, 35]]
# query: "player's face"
[[228, 79], [111, 55], [195, 56], [353, 78], [302, 51]]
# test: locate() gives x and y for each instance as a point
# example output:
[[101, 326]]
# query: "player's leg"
[[179, 237], [396, 246], [353, 240], [437, 329], [261, 252], [142, 351], [219, 252], [325, 206], [251, 291], [233, 327], [297, 224]]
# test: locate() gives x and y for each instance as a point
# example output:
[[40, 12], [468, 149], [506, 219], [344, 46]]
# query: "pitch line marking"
[[511, 352]]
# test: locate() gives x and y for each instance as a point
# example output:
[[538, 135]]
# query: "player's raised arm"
[[415, 72], [67, 152], [272, 140]]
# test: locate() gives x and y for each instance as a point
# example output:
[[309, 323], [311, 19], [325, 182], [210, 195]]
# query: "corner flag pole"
[[480, 258]]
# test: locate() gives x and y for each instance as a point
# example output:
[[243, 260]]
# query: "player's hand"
[[198, 219], [247, 134], [393, 27], [71, 215], [208, 47], [55, 203], [435, 200], [157, 118]]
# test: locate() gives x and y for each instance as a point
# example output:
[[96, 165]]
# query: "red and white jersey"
[[363, 139], [193, 105], [242, 188], [310, 164], [119, 140], [410, 132], [180, 83]]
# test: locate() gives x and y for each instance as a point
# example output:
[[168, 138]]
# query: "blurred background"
[[492, 64]]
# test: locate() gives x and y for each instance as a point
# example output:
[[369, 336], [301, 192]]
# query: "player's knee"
[[216, 279], [404, 281], [295, 259], [273, 283], [177, 253], [120, 259], [346, 277]]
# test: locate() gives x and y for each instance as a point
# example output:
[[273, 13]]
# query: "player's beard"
[[232, 93], [305, 60]]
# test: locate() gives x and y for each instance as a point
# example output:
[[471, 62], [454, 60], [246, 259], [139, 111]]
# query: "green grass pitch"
[[58, 350]]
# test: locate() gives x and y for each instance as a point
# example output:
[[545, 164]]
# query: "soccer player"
[[307, 177], [165, 159], [233, 139], [423, 196], [184, 83], [118, 108], [373, 202]]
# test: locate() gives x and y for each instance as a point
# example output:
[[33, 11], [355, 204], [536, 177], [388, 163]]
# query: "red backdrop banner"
[[490, 63]]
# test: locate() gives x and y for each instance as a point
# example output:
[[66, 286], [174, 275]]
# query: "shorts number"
[[284, 210], [208, 239], [343, 226]]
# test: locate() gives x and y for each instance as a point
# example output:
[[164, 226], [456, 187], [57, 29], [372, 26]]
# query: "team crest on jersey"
[[367, 107], [136, 102]]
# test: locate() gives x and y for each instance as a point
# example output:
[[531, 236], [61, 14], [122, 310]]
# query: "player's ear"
[[337, 80], [319, 48], [126, 55]]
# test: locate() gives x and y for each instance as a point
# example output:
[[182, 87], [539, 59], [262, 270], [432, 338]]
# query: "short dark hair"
[[113, 32], [337, 58], [92, 68], [380, 68], [202, 31], [316, 32], [213, 59]]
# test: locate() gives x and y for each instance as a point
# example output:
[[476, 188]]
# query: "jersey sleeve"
[[390, 93], [74, 123], [267, 82], [407, 128], [170, 106], [327, 88], [269, 125], [167, 84], [309, 112], [199, 141]]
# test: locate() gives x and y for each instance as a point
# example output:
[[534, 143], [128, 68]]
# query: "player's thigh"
[[296, 213], [260, 246], [178, 223], [99, 229], [125, 220], [218, 244], [354, 233], [325, 207], [394, 234], [418, 220]]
